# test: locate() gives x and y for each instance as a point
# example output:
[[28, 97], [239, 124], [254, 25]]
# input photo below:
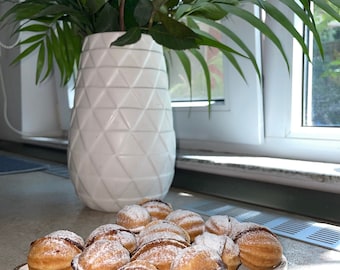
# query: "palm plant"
[[57, 28]]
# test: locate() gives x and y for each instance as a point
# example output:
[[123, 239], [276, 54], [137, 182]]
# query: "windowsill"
[[304, 174], [297, 173]]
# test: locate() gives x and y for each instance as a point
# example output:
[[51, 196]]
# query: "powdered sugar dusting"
[[138, 265], [163, 226], [231, 248], [188, 254], [239, 227], [102, 229], [67, 235], [160, 235], [213, 241], [157, 208], [192, 222], [133, 217], [103, 253], [113, 232], [159, 252], [219, 224]]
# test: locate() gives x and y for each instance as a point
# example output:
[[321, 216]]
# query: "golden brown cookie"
[[259, 248], [190, 221], [158, 209], [159, 229], [231, 254], [212, 241], [138, 265], [113, 232], [55, 251], [102, 255], [197, 258], [218, 224], [160, 252], [133, 217]]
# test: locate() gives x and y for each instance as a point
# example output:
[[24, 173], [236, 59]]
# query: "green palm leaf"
[[206, 71], [226, 31], [182, 56], [261, 26]]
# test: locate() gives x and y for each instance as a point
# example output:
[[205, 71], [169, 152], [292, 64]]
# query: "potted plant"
[[63, 31], [58, 27]]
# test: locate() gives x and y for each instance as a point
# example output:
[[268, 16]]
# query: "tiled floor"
[[34, 204]]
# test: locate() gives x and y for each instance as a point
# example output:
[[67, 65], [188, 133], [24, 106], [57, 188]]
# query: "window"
[[322, 88], [265, 121], [179, 84], [242, 103]]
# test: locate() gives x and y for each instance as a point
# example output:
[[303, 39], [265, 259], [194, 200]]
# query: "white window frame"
[[283, 134], [196, 128]]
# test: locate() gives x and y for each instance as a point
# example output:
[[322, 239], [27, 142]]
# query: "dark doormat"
[[12, 165]]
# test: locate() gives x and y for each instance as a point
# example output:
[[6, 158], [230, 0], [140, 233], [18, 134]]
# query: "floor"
[[34, 204]]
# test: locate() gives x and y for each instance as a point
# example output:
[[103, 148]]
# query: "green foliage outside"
[[326, 73]]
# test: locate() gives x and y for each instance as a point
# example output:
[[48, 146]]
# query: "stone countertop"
[[37, 203]]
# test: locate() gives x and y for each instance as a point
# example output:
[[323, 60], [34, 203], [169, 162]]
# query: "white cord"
[[3, 45], [8, 123], [3, 89], [5, 108]]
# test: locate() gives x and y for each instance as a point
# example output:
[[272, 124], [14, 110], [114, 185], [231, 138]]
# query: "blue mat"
[[11, 165]]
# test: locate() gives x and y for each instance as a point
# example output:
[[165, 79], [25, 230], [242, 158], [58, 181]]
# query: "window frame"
[[196, 126], [283, 134]]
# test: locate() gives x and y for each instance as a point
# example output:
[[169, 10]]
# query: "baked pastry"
[[190, 221], [102, 254], [231, 254], [138, 265], [159, 229], [212, 241], [197, 257], [54, 251], [113, 232], [160, 252], [133, 217], [158, 209], [239, 227], [218, 224], [259, 248], [68, 235]]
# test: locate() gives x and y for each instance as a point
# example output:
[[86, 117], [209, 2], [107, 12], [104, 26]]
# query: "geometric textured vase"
[[121, 141]]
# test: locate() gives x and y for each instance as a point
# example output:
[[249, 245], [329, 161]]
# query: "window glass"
[[179, 86], [322, 93], [267, 119]]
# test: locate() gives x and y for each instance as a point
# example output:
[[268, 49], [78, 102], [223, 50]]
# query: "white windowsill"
[[304, 174]]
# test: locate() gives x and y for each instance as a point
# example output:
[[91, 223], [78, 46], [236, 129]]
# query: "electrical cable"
[[4, 94], [5, 108], [3, 45], [3, 90]]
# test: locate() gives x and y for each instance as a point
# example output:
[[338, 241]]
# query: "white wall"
[[32, 109]]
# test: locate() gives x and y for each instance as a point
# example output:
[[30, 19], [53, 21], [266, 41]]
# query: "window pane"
[[179, 86], [322, 94]]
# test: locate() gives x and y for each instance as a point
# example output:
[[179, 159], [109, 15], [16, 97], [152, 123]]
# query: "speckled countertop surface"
[[305, 174], [37, 203]]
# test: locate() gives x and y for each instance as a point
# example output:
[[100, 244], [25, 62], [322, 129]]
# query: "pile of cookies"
[[152, 235]]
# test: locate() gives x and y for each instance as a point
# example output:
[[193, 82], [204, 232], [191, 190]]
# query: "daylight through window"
[[322, 92]]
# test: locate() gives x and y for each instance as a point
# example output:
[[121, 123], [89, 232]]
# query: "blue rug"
[[11, 165]]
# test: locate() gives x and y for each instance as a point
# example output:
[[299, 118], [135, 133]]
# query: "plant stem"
[[121, 15]]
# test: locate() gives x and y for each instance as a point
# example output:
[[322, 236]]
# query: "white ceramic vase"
[[121, 141]]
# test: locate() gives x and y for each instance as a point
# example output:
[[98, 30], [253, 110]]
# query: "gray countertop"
[[34, 204]]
